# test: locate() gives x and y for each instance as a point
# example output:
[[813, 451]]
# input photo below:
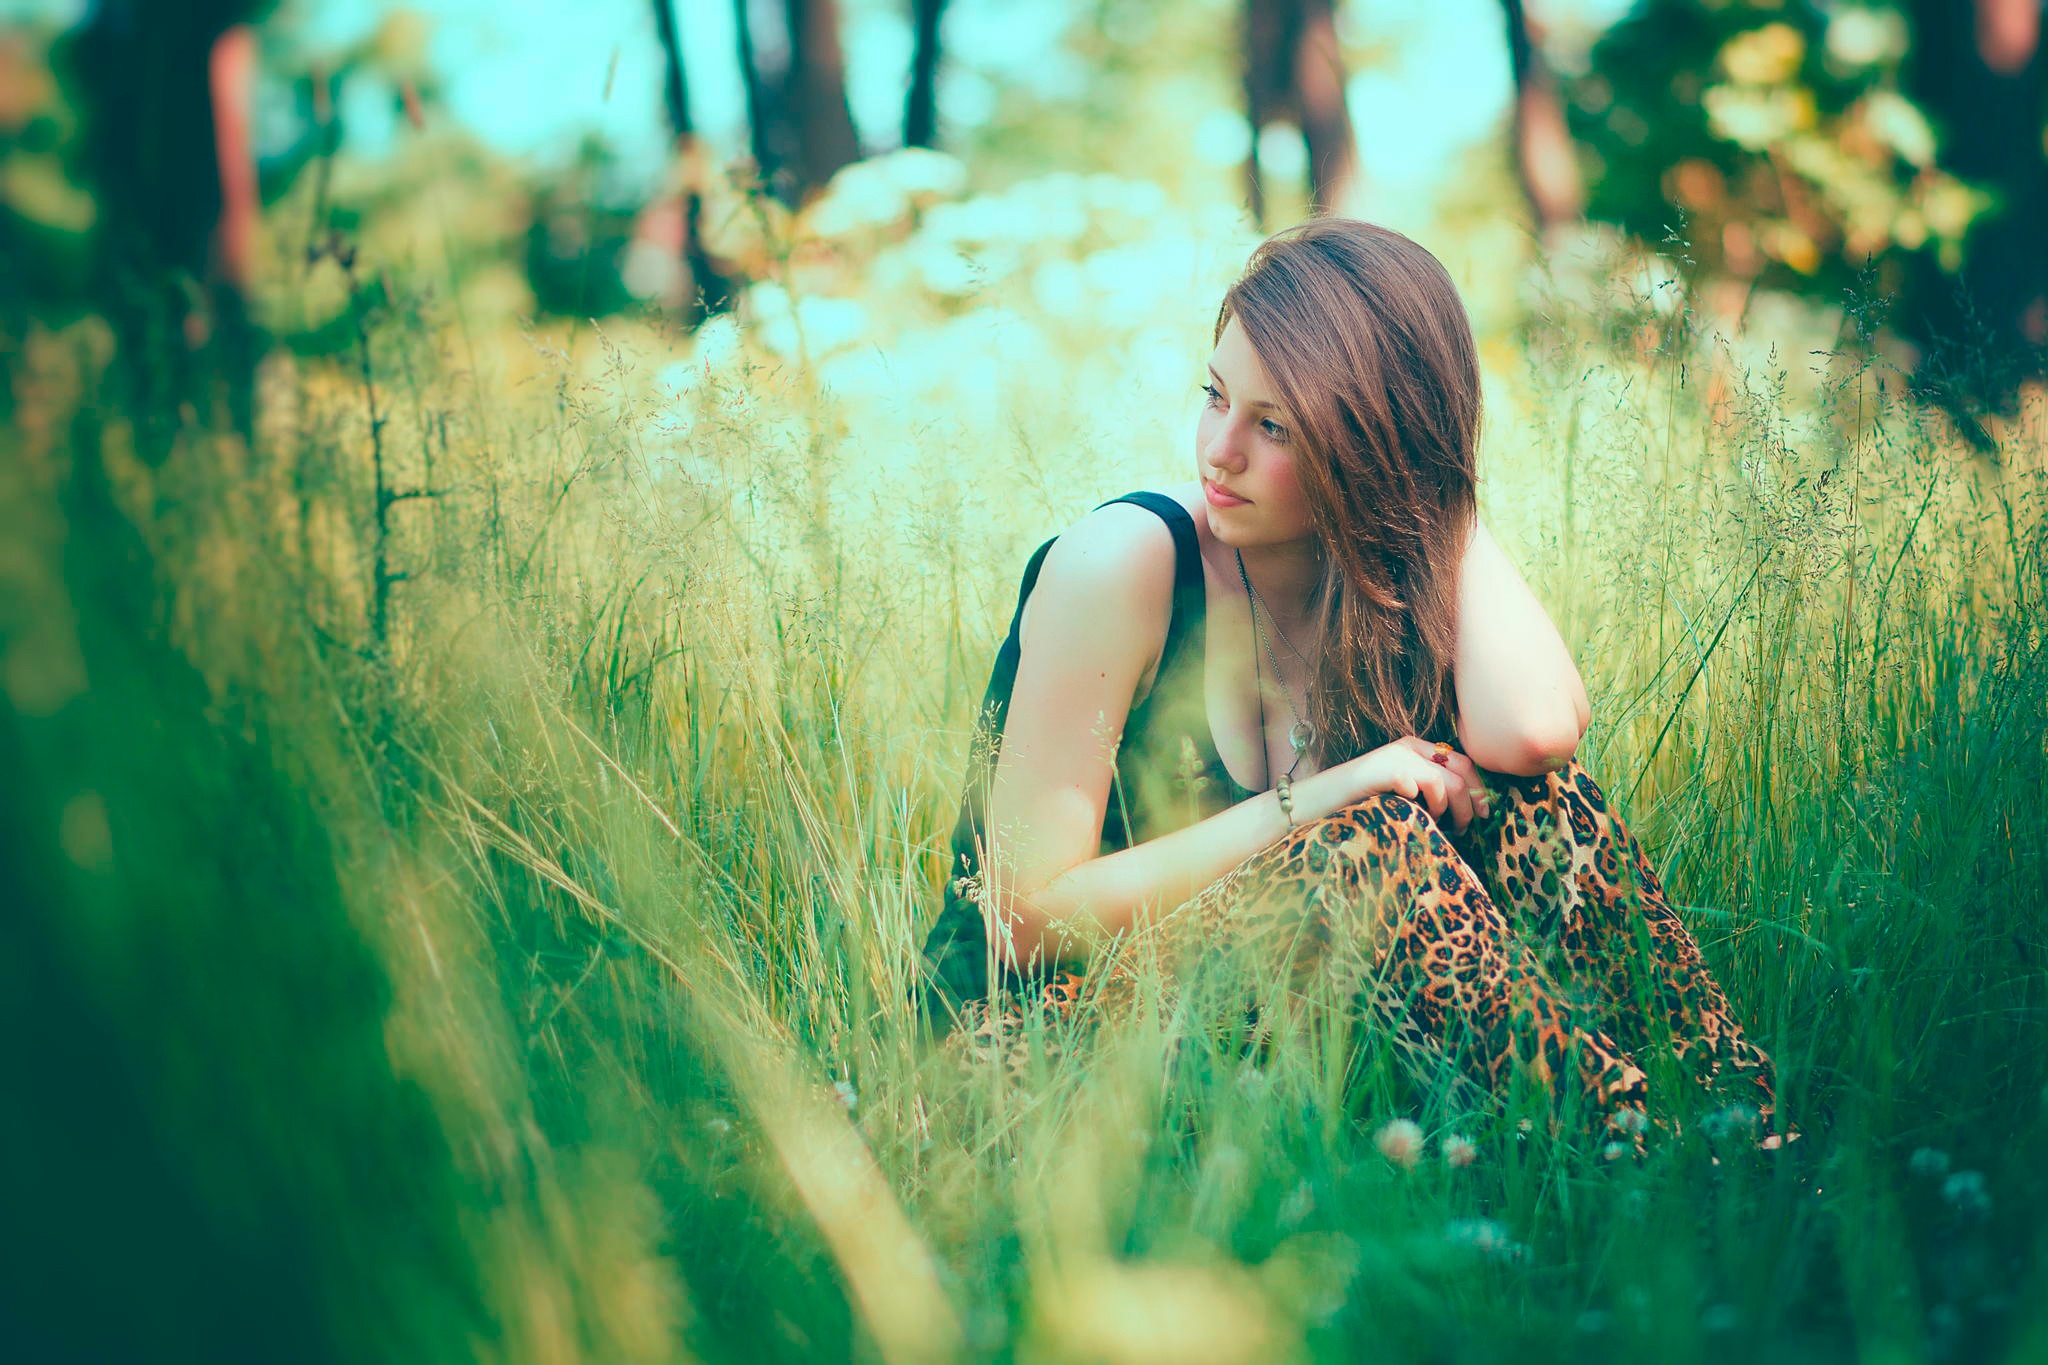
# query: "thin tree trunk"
[[1267, 36], [1294, 71], [166, 113], [706, 288], [1544, 160], [760, 129], [920, 108], [231, 83], [1325, 119], [675, 84]]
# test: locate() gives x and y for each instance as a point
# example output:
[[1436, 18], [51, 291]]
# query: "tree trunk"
[[1544, 160], [920, 109], [706, 288], [796, 99], [1980, 73], [165, 96], [815, 96], [1325, 119], [761, 131], [1267, 37], [1294, 70]]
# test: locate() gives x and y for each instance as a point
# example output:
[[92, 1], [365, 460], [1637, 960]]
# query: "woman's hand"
[[1406, 766]]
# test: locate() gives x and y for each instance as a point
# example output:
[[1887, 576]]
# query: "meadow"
[[475, 838]]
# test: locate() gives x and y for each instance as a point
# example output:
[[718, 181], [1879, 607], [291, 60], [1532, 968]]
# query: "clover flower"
[[1400, 1142], [1485, 1235], [1928, 1161], [1730, 1119], [1965, 1193], [1629, 1120]]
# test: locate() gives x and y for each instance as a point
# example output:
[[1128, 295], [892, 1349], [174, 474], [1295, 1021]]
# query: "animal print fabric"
[[1538, 940]]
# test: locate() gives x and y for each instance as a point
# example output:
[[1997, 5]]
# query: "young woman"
[[1306, 709]]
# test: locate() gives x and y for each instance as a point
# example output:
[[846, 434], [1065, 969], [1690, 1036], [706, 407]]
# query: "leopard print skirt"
[[1536, 942]]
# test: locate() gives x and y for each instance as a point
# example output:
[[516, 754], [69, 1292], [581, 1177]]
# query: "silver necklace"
[[1301, 733]]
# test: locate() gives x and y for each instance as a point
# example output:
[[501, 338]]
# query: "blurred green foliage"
[[1774, 136], [525, 982]]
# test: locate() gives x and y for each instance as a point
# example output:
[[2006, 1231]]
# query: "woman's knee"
[[1388, 852], [1402, 826]]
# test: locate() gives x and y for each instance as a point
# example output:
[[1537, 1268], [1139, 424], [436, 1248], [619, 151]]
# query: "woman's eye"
[[1273, 428]]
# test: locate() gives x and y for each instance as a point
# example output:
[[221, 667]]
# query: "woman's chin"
[[1241, 527], [1224, 528]]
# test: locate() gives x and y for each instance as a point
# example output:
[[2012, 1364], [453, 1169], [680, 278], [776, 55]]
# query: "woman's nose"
[[1222, 452]]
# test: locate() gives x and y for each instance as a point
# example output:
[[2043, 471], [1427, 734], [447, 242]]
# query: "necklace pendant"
[[1299, 734]]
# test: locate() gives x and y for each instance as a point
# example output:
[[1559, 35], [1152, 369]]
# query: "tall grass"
[[535, 985]]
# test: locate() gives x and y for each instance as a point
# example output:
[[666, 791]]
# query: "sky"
[[533, 76]]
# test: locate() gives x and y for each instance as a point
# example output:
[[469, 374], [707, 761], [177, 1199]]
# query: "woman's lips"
[[1218, 498]]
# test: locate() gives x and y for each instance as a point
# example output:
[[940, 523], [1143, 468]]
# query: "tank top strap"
[[1187, 598], [1188, 594]]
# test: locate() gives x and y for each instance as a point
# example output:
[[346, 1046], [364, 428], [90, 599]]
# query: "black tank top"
[[1168, 773]]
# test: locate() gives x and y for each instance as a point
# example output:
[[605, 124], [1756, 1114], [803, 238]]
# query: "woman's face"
[[1244, 445]]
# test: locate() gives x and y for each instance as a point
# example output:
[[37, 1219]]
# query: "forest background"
[[504, 522]]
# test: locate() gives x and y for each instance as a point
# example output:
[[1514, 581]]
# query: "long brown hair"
[[1370, 353]]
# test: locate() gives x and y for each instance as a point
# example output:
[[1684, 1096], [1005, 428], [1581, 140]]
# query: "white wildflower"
[[1928, 1161], [1485, 1235], [1965, 1193], [1729, 1119], [1400, 1142]]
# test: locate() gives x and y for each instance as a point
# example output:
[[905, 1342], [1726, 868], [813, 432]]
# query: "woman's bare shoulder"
[[1114, 566], [1118, 544], [1135, 534]]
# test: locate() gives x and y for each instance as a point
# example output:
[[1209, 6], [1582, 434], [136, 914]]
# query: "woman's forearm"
[[1092, 902]]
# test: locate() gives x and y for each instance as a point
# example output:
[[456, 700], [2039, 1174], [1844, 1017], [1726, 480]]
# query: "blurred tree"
[[1294, 72], [672, 225], [46, 218], [163, 90], [1775, 142], [1544, 157], [815, 93], [1981, 73], [758, 139], [802, 127], [920, 107], [580, 234]]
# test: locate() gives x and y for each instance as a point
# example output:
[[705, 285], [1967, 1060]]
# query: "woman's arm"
[[1522, 705], [1096, 617], [1083, 907]]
